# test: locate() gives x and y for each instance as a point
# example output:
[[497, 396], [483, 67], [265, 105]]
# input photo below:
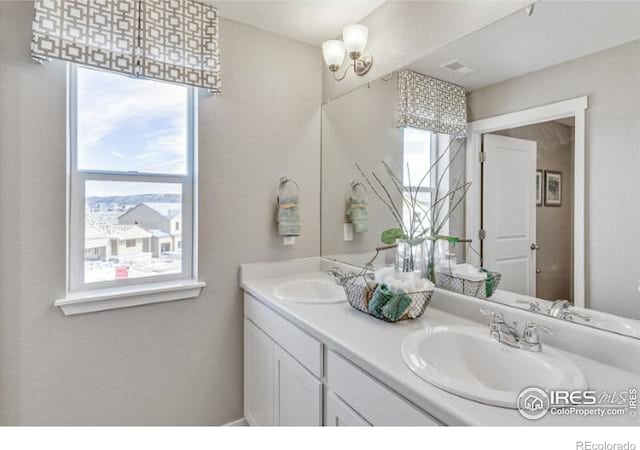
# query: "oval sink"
[[467, 362], [310, 291]]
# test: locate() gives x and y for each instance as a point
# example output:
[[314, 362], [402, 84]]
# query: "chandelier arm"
[[340, 78]]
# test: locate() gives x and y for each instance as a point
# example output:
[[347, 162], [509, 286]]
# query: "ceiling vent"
[[458, 67]]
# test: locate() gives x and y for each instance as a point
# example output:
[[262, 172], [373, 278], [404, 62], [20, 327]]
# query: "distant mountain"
[[123, 202]]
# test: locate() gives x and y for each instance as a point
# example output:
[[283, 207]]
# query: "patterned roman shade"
[[168, 40], [431, 104]]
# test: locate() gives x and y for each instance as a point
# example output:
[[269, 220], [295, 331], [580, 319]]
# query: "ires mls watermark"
[[534, 403]]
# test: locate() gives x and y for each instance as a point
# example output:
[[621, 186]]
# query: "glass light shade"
[[355, 38], [333, 52]]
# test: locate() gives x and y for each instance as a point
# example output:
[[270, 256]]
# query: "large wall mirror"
[[548, 162]]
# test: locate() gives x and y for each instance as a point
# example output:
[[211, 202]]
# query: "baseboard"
[[237, 423]]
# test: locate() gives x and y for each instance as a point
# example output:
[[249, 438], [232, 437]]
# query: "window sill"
[[124, 297]]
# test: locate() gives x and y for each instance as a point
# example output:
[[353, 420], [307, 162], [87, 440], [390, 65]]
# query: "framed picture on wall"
[[538, 187], [552, 188]]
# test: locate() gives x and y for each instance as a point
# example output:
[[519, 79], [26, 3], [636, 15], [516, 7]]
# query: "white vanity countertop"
[[374, 345]]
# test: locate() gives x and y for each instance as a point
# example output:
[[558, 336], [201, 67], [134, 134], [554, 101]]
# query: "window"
[[421, 150], [131, 175]]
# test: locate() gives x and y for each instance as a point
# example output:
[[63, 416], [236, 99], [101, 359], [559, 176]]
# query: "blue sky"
[[126, 124]]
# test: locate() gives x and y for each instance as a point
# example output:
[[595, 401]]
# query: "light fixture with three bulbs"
[[354, 40]]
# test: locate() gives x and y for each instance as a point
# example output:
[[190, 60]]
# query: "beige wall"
[[400, 32], [610, 79], [175, 363], [554, 225]]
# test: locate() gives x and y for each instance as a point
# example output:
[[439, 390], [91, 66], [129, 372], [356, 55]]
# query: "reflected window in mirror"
[[421, 150]]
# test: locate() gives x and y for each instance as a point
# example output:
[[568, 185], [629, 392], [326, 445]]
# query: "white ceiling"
[[310, 21], [558, 31]]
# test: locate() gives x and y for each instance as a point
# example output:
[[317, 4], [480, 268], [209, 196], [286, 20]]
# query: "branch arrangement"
[[423, 222]]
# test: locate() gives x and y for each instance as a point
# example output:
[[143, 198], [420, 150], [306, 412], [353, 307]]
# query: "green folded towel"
[[381, 296], [395, 308], [489, 284], [288, 216], [358, 214]]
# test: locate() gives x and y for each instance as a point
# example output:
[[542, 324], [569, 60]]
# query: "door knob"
[[538, 270], [535, 246]]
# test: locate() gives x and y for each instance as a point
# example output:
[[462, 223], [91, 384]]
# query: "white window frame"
[[76, 208]]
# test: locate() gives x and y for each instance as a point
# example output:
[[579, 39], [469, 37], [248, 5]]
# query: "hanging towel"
[[288, 216], [359, 215], [358, 212]]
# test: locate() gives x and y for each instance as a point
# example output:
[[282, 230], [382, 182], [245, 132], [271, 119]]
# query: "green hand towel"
[[489, 284], [288, 216], [381, 296], [395, 308], [359, 214]]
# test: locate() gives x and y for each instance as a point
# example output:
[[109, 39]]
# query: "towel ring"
[[283, 181], [354, 184]]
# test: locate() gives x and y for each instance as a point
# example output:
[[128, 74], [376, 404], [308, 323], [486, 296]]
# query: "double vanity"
[[311, 359], [491, 171]]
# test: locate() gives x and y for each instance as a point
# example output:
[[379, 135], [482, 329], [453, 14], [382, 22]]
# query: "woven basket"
[[480, 289], [360, 287]]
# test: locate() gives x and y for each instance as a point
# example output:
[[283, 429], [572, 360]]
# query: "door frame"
[[576, 108]]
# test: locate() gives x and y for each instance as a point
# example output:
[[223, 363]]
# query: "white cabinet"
[[339, 414], [258, 376], [298, 394], [278, 390], [286, 370], [304, 348]]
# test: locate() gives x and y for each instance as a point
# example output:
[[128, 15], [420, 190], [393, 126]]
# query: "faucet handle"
[[584, 316], [337, 274], [533, 305], [497, 319], [536, 326], [530, 338], [495, 315]]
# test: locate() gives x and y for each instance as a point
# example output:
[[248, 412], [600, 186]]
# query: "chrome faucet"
[[500, 330], [507, 334], [562, 309]]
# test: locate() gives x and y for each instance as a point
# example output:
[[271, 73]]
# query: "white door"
[[258, 376], [509, 211], [298, 393], [339, 414]]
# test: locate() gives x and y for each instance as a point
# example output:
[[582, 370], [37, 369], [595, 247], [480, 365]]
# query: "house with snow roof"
[[162, 220]]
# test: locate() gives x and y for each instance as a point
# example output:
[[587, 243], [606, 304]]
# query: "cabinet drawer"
[[306, 349], [371, 399]]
